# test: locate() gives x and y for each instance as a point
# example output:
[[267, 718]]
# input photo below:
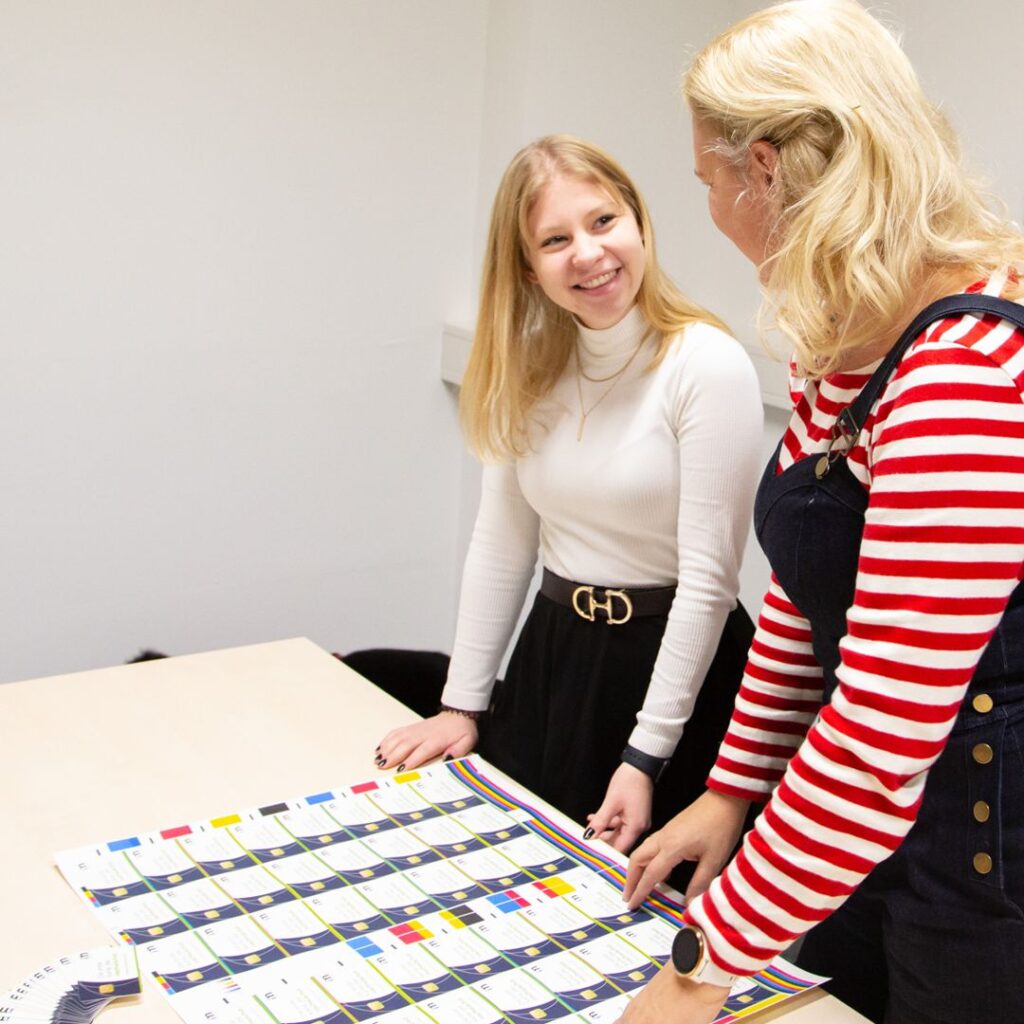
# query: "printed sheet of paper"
[[431, 896]]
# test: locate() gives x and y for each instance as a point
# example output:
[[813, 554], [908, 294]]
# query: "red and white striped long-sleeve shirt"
[[942, 457]]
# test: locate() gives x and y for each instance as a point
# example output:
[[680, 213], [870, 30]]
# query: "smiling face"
[[585, 251], [740, 204]]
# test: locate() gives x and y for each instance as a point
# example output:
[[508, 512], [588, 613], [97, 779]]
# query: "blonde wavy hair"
[[523, 340], [875, 209]]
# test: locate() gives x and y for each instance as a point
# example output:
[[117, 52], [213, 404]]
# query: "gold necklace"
[[614, 378]]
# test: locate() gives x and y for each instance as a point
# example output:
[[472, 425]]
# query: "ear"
[[764, 163], [530, 275]]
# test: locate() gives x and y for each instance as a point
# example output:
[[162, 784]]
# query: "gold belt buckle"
[[593, 605]]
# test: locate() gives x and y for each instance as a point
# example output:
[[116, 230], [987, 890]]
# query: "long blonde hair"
[[523, 340], [874, 204]]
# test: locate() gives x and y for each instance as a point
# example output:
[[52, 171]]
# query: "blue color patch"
[[319, 798], [503, 902], [123, 844], [365, 947]]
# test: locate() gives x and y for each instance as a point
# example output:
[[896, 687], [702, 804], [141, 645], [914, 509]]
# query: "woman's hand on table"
[[706, 832], [412, 745], [625, 813], [669, 999]]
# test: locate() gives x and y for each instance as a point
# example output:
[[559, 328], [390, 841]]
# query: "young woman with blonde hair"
[[621, 425], [881, 717]]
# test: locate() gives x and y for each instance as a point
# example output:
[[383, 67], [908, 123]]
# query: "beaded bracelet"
[[444, 708]]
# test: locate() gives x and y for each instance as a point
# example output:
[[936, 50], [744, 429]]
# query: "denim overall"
[[936, 932]]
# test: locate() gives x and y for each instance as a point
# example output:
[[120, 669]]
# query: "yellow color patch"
[[482, 969], [228, 819], [307, 941], [407, 777], [327, 839], [366, 873], [227, 864], [174, 878], [277, 852], [265, 900], [194, 976], [360, 926], [106, 989], [588, 993], [253, 958], [120, 891], [538, 1014], [430, 987], [156, 930], [316, 886], [636, 975]]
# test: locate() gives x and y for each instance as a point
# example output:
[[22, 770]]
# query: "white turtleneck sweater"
[[658, 490]]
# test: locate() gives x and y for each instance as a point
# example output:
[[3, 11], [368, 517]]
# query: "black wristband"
[[647, 763]]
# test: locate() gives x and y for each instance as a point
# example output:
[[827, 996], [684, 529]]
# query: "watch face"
[[686, 950]]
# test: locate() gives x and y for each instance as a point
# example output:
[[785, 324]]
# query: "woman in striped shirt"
[[881, 717]]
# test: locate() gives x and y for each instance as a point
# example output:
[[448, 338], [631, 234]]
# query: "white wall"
[[231, 233]]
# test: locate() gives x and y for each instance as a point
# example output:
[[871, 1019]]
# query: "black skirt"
[[563, 714]]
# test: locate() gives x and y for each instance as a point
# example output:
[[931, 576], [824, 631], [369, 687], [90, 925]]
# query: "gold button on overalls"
[[981, 811], [982, 703], [982, 753], [982, 863]]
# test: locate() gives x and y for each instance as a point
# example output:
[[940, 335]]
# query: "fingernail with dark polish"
[[401, 767], [376, 750], [448, 757], [589, 834]]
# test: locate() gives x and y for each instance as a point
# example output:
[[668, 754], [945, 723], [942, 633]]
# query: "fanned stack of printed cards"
[[74, 989]]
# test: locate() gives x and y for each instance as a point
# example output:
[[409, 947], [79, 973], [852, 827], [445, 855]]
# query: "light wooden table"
[[120, 751]]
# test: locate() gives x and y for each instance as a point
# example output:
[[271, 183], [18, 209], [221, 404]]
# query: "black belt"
[[614, 605]]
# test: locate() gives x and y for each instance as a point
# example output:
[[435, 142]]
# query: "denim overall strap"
[[851, 419], [809, 518]]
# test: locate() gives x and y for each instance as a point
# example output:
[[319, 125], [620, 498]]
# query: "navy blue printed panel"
[[267, 899], [176, 878], [218, 867], [637, 977], [370, 828], [318, 840], [385, 1003], [551, 1010], [198, 918], [420, 814], [115, 893], [319, 885], [180, 981], [155, 931], [448, 900], [366, 872], [435, 986], [362, 926], [535, 951], [270, 853], [584, 932], [451, 806], [581, 998], [468, 973], [302, 943]]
